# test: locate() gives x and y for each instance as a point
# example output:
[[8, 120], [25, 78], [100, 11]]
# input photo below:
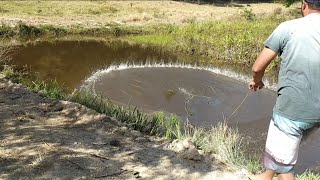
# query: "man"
[[297, 108]]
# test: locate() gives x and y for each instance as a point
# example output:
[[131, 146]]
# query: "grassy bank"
[[235, 43], [26, 31]]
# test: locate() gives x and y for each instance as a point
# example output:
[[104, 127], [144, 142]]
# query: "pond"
[[155, 80]]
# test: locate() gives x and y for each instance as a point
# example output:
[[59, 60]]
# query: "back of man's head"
[[313, 4]]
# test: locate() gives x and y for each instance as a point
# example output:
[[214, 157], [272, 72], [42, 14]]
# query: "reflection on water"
[[203, 96], [70, 62]]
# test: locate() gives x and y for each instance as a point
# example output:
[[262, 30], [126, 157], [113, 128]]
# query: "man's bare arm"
[[259, 67]]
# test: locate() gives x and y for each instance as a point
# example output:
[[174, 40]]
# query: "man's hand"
[[255, 86], [259, 67]]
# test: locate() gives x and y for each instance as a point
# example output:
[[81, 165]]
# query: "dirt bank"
[[43, 138]]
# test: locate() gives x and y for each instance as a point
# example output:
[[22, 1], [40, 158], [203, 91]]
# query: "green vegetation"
[[8, 71], [236, 42], [4, 50], [24, 30], [159, 124], [51, 88], [172, 125], [161, 40], [226, 144], [308, 176]]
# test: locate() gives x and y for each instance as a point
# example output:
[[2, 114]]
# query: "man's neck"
[[312, 11]]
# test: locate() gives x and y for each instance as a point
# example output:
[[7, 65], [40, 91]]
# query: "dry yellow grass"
[[102, 13]]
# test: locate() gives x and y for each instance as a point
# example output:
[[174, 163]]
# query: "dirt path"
[[43, 138]]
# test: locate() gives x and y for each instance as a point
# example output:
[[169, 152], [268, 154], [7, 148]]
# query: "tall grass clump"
[[4, 54], [309, 176], [29, 30], [51, 88], [159, 123], [248, 14], [6, 31], [6, 70], [133, 117], [226, 144], [171, 124]]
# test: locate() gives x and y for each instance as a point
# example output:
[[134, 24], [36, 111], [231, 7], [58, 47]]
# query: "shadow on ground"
[[44, 138]]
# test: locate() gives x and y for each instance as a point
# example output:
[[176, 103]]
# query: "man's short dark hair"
[[314, 4]]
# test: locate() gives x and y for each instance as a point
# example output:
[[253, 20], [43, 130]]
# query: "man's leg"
[[282, 148], [287, 176], [267, 175]]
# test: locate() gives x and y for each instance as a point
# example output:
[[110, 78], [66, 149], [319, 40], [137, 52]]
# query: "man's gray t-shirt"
[[298, 44]]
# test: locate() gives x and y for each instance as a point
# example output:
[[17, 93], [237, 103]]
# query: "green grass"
[[50, 88], [159, 40], [236, 42], [159, 124], [226, 144], [171, 124], [24, 30], [309, 176], [6, 31], [3, 53], [7, 71]]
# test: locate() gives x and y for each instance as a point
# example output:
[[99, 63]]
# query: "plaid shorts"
[[283, 140]]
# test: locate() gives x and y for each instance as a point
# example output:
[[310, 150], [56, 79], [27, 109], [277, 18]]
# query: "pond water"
[[154, 80]]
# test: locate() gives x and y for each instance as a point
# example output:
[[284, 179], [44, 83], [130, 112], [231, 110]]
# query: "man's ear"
[[304, 5]]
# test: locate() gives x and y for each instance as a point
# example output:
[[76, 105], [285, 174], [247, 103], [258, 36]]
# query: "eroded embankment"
[[45, 138]]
